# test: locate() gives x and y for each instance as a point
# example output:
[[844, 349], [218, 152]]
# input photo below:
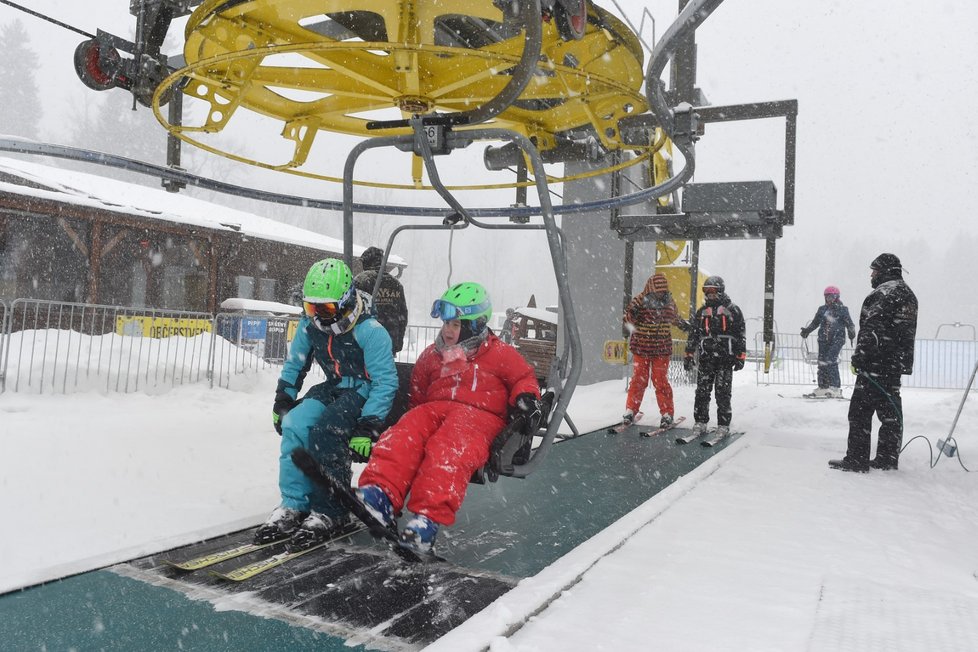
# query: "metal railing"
[[52, 347], [59, 347], [416, 340], [938, 364]]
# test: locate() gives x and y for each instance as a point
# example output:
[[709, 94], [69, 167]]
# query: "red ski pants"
[[658, 368], [431, 452]]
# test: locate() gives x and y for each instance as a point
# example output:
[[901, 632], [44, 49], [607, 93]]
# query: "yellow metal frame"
[[233, 63]]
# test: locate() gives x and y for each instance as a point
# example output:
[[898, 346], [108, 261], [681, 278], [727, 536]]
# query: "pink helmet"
[[832, 290]]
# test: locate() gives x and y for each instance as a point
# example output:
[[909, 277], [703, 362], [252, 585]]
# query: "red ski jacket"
[[490, 381]]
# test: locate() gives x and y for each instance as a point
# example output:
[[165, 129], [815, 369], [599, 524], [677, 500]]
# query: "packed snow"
[[761, 548]]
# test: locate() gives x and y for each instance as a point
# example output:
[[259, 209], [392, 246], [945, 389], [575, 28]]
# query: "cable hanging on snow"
[[47, 18]]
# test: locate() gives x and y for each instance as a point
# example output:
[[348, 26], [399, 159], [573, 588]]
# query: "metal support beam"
[[769, 259]]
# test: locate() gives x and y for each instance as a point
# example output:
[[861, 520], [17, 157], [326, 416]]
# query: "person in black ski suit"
[[718, 335], [884, 351], [389, 304], [833, 323]]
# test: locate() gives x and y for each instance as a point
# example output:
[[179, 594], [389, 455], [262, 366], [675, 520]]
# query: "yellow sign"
[[615, 352], [161, 326]]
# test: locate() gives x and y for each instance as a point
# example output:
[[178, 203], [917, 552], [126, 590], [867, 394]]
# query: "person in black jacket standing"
[[389, 304], [884, 351], [718, 335]]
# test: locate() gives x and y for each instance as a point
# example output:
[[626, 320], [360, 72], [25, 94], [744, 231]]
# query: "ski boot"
[[700, 429], [316, 529], [628, 418], [848, 464], [666, 421], [722, 431], [834, 392], [419, 534], [280, 525], [378, 504], [822, 392]]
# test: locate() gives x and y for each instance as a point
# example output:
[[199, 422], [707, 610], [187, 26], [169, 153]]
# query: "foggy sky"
[[886, 152]]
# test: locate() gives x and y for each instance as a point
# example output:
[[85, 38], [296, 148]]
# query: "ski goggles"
[[328, 310], [446, 311]]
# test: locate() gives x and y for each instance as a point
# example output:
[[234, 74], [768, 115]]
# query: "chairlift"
[[511, 452]]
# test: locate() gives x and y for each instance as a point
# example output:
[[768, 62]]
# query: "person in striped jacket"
[[648, 318]]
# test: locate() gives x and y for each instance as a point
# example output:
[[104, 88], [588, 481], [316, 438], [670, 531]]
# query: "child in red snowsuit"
[[463, 388]]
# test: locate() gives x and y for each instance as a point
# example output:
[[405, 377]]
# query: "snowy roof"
[[90, 190], [255, 305], [539, 314]]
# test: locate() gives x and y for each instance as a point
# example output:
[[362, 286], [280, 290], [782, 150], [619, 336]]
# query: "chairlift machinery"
[[552, 80]]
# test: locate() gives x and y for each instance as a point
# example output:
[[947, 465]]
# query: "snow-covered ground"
[[761, 548]]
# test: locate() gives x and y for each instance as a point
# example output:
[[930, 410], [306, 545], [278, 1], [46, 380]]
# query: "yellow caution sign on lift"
[[615, 352]]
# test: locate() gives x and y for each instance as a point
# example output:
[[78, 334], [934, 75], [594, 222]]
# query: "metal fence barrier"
[[416, 340], [63, 347], [53, 347], [938, 364], [245, 344]]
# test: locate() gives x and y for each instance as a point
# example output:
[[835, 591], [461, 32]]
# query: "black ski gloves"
[[805, 332], [688, 363], [365, 433], [739, 362], [529, 406], [283, 403]]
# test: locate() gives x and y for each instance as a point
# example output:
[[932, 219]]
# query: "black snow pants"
[[879, 396], [719, 376]]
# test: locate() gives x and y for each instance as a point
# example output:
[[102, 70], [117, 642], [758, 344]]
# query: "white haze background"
[[885, 153]]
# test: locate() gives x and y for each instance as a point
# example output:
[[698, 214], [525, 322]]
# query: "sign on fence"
[[160, 326]]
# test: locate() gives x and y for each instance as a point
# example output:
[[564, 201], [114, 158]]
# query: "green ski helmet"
[[328, 293], [468, 302]]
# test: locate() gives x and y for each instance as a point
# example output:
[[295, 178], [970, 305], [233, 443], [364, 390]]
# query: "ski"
[[717, 438], [248, 571], [659, 431], [217, 557], [824, 398], [685, 439], [308, 465], [620, 427]]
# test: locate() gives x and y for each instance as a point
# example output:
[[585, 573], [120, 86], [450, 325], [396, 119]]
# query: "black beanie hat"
[[885, 262], [371, 258]]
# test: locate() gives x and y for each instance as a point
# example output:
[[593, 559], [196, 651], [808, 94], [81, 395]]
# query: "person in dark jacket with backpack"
[[719, 338], [388, 303], [833, 323], [884, 351]]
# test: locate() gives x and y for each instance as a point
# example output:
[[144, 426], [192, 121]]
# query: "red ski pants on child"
[[431, 452], [658, 368]]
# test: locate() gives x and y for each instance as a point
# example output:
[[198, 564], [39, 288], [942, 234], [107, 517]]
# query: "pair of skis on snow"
[[712, 438], [280, 555], [619, 428]]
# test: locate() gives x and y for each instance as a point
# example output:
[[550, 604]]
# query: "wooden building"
[[77, 237]]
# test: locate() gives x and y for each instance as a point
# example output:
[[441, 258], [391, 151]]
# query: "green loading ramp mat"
[[355, 594]]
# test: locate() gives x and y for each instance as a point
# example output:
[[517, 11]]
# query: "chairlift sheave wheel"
[[288, 61]]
